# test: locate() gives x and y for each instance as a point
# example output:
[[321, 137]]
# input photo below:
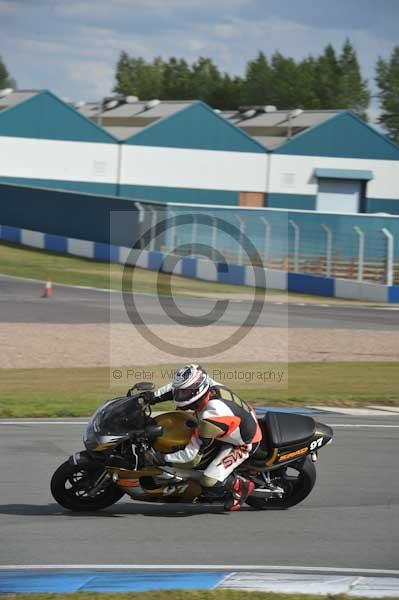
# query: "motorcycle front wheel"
[[70, 485], [297, 480]]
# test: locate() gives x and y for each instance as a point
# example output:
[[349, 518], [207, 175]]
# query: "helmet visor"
[[184, 394]]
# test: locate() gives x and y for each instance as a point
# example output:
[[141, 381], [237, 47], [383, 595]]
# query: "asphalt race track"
[[351, 519], [21, 302]]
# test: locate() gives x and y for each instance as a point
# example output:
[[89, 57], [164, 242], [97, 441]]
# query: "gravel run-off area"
[[47, 345]]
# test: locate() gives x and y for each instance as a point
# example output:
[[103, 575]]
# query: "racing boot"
[[240, 490]]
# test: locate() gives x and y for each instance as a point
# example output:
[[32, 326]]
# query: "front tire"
[[297, 487], [70, 484]]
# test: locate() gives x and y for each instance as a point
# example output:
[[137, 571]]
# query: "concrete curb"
[[299, 583], [123, 578]]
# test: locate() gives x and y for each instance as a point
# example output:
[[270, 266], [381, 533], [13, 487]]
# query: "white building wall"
[[202, 169], [291, 174], [58, 160]]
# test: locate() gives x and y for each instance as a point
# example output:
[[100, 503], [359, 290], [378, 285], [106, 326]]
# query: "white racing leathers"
[[225, 419]]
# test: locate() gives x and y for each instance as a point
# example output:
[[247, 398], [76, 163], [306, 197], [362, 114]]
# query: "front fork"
[[102, 481]]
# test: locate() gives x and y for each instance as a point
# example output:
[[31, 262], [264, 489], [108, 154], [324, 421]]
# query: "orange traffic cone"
[[48, 289]]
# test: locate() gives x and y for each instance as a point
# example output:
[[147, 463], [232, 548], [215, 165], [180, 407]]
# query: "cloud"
[[106, 8], [94, 76], [289, 37], [72, 46], [8, 8]]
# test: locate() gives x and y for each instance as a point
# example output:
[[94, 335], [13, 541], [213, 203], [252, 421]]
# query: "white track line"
[[367, 425], [55, 283], [271, 568], [43, 422], [356, 425], [97, 289]]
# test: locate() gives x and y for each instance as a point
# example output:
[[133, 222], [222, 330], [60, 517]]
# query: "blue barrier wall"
[[62, 213]]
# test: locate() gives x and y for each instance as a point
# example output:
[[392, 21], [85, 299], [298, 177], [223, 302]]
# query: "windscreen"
[[119, 416]]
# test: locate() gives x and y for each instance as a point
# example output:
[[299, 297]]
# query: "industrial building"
[[45, 142], [341, 165], [325, 161], [196, 156], [275, 177]]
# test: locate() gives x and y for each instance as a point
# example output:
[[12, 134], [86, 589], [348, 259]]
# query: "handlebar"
[[147, 395]]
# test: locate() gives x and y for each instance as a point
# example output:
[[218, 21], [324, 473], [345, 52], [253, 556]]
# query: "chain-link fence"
[[359, 247]]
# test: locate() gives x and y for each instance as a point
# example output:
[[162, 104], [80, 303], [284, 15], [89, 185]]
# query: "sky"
[[71, 46]]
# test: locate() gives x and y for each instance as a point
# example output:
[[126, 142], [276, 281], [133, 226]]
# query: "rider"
[[220, 416]]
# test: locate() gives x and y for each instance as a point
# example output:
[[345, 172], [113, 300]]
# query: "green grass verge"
[[21, 261], [77, 392], [179, 595]]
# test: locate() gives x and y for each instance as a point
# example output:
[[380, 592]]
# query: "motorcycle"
[[122, 440]]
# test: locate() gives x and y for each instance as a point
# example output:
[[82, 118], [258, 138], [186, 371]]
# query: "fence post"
[[328, 249], [266, 244], [141, 211], [153, 227], [360, 260], [240, 243], [213, 238], [173, 235], [296, 244], [195, 231], [390, 257]]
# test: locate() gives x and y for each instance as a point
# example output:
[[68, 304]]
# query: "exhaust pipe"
[[262, 492]]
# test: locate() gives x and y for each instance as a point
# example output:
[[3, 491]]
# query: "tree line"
[[322, 82], [330, 80], [5, 80]]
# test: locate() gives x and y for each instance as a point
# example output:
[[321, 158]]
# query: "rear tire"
[[70, 483], [297, 490]]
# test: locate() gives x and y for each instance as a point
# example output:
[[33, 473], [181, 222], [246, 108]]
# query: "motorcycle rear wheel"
[[70, 483], [297, 488]]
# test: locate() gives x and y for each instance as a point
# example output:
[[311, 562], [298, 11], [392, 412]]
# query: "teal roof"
[[44, 116], [196, 127], [344, 174], [343, 136]]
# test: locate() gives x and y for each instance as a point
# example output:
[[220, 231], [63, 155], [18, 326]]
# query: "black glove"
[[153, 399], [148, 395]]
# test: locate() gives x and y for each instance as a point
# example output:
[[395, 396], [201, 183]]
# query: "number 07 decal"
[[316, 443]]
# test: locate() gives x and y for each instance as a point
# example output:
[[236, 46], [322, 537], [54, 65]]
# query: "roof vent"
[[6, 92], [295, 113], [152, 104], [131, 99], [111, 104], [249, 113], [269, 108]]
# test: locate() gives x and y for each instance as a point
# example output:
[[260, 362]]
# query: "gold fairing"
[[176, 431], [102, 447], [270, 461], [180, 492]]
